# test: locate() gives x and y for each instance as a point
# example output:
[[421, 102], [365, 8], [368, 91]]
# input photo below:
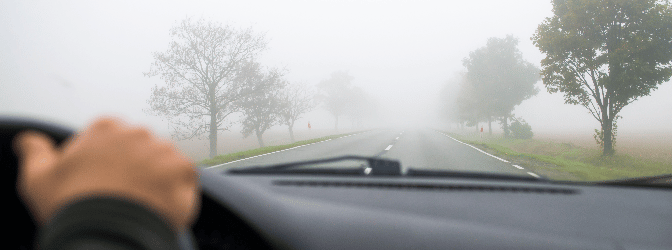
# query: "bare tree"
[[199, 70], [335, 94], [296, 100], [261, 108]]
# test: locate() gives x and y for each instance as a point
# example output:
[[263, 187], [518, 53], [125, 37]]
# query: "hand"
[[108, 159]]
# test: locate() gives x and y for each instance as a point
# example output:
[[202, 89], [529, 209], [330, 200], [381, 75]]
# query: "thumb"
[[34, 151]]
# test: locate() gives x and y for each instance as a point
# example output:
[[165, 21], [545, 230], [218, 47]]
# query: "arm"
[[111, 185]]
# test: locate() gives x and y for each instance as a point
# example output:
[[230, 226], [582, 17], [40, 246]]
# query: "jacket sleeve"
[[106, 223]]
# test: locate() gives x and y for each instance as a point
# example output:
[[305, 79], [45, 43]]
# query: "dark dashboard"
[[327, 212]]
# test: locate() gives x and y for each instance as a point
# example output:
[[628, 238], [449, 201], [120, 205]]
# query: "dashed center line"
[[388, 147], [533, 174], [518, 167], [397, 138]]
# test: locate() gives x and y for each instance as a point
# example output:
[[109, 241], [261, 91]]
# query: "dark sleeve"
[[106, 223]]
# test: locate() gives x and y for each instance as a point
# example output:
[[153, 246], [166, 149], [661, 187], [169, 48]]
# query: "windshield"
[[566, 90]]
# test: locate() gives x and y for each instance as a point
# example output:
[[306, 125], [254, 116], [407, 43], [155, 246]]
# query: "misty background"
[[71, 61]]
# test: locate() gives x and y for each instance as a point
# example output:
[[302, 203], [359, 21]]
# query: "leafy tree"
[[605, 54], [499, 79], [296, 100], [199, 70], [469, 105], [261, 108], [336, 94]]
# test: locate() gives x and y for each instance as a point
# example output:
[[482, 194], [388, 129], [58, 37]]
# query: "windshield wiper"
[[647, 181], [376, 167], [474, 175]]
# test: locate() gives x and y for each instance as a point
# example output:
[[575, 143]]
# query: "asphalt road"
[[416, 148]]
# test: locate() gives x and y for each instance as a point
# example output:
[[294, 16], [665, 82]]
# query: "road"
[[417, 148]]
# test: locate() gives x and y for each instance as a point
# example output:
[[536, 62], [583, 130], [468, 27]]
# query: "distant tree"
[[469, 105], [335, 94], [500, 79], [448, 96], [199, 70], [605, 54], [262, 107], [360, 106], [296, 100]]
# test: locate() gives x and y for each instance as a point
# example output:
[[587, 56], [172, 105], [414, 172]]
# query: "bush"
[[521, 130]]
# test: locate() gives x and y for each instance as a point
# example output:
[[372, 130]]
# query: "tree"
[[336, 93], [360, 106], [296, 100], [499, 79], [469, 106], [199, 70], [261, 108], [605, 54]]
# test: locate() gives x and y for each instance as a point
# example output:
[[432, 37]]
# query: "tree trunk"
[[615, 81], [608, 139], [505, 126], [291, 132], [260, 140], [213, 138], [213, 124]]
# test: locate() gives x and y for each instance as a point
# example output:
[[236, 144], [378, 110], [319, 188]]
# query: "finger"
[[34, 150]]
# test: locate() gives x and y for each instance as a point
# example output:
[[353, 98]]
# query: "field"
[[578, 158], [647, 145]]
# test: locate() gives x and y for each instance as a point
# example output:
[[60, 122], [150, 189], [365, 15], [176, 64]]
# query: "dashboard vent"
[[427, 187]]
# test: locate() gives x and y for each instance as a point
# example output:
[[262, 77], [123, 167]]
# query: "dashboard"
[[327, 212]]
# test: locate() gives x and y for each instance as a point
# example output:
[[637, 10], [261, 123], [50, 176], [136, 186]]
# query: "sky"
[[71, 61]]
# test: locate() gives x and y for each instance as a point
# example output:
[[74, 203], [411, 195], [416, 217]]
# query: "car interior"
[[284, 207]]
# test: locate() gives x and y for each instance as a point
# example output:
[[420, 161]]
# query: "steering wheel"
[[16, 214]]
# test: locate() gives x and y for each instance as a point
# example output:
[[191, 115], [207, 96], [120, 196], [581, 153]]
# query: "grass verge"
[[220, 159], [565, 161]]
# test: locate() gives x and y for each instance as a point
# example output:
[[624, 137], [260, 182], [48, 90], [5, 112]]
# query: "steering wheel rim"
[[23, 226]]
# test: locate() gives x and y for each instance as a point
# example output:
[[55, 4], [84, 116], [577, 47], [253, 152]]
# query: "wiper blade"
[[474, 175], [647, 181], [376, 167]]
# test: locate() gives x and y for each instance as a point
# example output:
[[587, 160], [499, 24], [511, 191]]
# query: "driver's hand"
[[110, 159]]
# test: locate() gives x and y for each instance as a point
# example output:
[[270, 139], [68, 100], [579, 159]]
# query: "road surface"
[[417, 148]]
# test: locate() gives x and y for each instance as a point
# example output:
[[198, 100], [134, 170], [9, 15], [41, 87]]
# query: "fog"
[[70, 61]]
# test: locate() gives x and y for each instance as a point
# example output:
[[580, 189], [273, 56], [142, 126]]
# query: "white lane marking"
[[219, 165], [533, 174], [397, 138], [388, 147], [518, 167], [477, 149]]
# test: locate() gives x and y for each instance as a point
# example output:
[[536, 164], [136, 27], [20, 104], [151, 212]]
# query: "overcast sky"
[[70, 61]]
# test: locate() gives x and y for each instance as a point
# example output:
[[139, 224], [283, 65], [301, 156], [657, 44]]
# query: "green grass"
[[260, 151], [564, 161]]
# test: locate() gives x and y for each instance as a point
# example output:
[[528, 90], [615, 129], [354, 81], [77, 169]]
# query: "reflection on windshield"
[[567, 90]]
